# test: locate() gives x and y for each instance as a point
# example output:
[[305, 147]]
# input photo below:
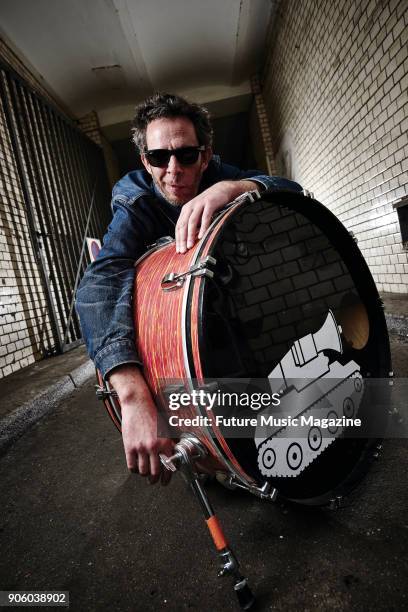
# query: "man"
[[181, 188]]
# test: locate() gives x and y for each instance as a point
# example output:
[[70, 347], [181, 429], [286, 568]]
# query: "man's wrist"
[[249, 185], [258, 185], [130, 385], [242, 186]]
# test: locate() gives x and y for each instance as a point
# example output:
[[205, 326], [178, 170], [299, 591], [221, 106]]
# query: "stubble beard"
[[172, 201]]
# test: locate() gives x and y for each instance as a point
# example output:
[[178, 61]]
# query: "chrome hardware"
[[248, 196], [307, 193], [336, 502], [188, 448], [377, 453], [352, 234], [102, 393], [229, 563], [267, 491], [175, 280], [160, 242]]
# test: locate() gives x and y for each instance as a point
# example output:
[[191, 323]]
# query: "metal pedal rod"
[[187, 451]]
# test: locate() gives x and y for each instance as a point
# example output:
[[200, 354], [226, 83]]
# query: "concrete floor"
[[72, 518], [26, 384]]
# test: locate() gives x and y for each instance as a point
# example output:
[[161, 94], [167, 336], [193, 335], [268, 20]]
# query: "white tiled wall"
[[335, 88]]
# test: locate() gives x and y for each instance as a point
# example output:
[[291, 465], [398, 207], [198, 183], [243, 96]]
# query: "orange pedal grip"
[[217, 533]]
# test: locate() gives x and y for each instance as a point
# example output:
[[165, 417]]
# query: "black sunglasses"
[[185, 156]]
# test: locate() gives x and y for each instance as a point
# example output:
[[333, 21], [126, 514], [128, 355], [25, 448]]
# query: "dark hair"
[[164, 105]]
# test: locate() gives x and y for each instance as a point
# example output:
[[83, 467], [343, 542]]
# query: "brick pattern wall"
[[90, 126], [335, 88], [262, 128]]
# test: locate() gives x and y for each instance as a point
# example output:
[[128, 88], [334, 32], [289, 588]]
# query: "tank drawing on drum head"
[[310, 388]]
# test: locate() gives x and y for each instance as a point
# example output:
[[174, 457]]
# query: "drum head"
[[289, 275]]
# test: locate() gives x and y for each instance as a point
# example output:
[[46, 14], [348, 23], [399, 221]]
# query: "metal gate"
[[65, 187]]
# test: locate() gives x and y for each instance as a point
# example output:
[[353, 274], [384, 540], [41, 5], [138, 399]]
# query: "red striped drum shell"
[[281, 269]]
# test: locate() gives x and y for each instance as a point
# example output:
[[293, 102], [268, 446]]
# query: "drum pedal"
[[186, 452]]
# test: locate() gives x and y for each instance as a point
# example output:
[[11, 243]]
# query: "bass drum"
[[276, 290]]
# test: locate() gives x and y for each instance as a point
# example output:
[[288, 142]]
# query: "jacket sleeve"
[[104, 297]]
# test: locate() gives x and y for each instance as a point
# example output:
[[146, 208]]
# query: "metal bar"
[[71, 180], [75, 171], [50, 159], [67, 259], [85, 190], [38, 182], [82, 177], [80, 263], [65, 183], [15, 140], [57, 165], [81, 174], [76, 202], [57, 260], [67, 180]]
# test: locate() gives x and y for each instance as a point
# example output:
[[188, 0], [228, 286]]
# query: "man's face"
[[177, 183]]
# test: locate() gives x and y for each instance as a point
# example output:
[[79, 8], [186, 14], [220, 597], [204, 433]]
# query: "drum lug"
[[248, 196], [352, 234], [102, 393], [377, 453], [175, 280], [336, 502], [267, 491]]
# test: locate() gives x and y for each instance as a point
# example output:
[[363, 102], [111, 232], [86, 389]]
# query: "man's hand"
[[140, 422], [196, 215]]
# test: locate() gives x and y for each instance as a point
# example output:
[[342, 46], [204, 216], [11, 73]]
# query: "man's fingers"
[[143, 464], [193, 223], [205, 223], [181, 235], [187, 227], [154, 468], [191, 236], [132, 462]]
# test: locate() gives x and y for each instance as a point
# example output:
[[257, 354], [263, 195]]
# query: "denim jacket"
[[140, 216]]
